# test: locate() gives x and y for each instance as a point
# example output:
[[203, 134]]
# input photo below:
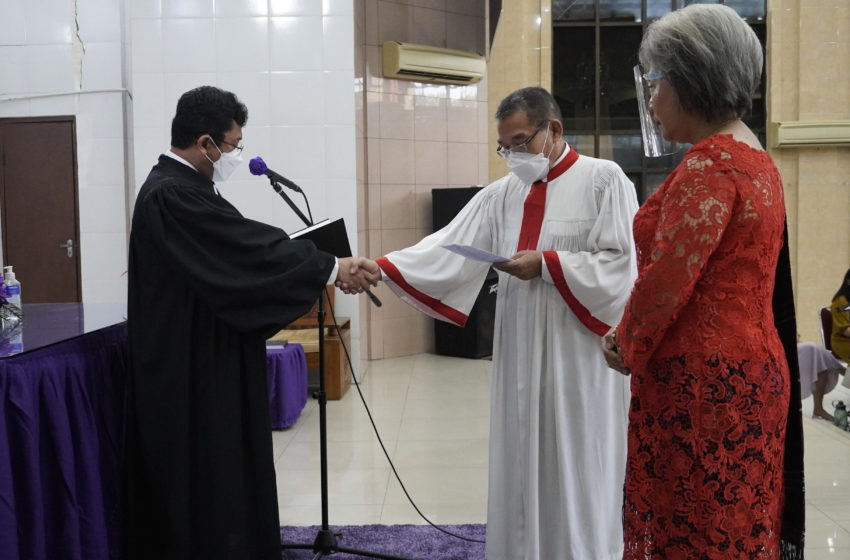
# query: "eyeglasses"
[[652, 76], [238, 148], [522, 147]]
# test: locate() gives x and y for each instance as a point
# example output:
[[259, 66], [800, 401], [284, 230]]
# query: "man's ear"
[[557, 128]]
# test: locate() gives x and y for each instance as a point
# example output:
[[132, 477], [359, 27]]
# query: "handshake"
[[357, 274]]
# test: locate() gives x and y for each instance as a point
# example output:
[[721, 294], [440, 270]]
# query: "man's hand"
[[525, 265], [357, 274], [612, 353]]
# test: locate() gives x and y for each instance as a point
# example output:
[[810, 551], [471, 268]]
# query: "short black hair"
[[206, 110], [539, 106]]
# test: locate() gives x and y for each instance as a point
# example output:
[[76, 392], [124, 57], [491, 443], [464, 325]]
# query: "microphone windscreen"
[[257, 166]]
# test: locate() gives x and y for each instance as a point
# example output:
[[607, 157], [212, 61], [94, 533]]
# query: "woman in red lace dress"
[[710, 388]]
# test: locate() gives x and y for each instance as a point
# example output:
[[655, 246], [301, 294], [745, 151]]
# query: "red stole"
[[535, 204]]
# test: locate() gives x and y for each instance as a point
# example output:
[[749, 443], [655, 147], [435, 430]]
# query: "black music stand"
[[326, 540]]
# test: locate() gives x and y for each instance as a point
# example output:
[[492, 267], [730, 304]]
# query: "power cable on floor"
[[381, 442]]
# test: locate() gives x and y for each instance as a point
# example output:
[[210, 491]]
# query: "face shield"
[[654, 144]]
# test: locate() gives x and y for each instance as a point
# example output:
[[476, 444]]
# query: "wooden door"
[[38, 207]]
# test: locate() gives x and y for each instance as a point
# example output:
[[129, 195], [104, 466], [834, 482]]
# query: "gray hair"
[[539, 106], [710, 56]]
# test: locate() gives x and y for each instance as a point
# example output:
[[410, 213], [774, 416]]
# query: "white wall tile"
[[178, 84], [298, 152], [100, 162], [13, 70], [338, 7], [339, 97], [257, 140], [53, 105], [102, 66], [339, 161], [13, 24], [187, 8], [237, 8], [296, 43], [99, 21], [295, 7], [145, 8], [50, 68], [102, 209], [147, 46], [148, 143], [252, 88], [149, 100], [48, 22], [242, 44], [189, 44], [245, 195], [297, 98], [15, 108], [103, 263], [104, 112], [338, 43]]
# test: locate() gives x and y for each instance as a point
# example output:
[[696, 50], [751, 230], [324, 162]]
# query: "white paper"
[[475, 254]]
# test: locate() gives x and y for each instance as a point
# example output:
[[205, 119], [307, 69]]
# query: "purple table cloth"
[[61, 435], [61, 429], [287, 370]]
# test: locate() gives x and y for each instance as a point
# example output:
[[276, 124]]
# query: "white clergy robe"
[[558, 414]]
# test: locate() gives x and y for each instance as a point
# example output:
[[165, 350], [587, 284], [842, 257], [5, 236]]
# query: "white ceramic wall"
[[292, 63], [48, 49]]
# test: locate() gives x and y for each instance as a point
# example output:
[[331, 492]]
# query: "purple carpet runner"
[[411, 541]]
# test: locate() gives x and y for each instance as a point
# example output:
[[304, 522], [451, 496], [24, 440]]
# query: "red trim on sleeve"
[[553, 263], [535, 204], [435, 305]]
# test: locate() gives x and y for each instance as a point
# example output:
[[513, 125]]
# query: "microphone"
[[258, 167]]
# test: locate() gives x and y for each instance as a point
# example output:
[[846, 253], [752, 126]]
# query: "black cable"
[[307, 202], [380, 441]]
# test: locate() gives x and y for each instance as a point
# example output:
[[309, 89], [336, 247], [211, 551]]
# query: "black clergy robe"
[[207, 286]]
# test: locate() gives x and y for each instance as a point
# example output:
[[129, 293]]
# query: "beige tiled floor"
[[432, 413]]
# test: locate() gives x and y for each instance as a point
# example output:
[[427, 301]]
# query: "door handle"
[[69, 245]]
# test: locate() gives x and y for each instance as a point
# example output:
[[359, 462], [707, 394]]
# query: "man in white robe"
[[558, 418]]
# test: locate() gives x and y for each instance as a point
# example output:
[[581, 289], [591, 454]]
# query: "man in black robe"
[[206, 288]]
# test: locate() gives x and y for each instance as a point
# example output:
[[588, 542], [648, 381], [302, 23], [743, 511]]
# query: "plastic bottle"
[[12, 287], [840, 415], [11, 341]]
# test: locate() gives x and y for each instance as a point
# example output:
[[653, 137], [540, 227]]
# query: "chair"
[[826, 331]]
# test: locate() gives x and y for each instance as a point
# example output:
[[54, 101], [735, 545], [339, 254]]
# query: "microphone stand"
[[325, 542]]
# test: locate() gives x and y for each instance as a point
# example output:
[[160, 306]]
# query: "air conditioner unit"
[[423, 63]]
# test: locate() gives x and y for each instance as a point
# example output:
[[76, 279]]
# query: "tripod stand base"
[[326, 544]]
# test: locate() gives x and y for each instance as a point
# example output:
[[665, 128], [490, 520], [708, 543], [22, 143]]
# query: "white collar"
[[175, 157]]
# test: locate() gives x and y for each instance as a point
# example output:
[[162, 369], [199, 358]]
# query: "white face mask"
[[529, 167], [226, 164]]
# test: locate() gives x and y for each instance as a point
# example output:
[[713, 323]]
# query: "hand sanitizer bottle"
[[12, 287]]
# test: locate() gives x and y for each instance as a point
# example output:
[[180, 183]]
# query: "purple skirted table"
[[287, 370], [61, 430]]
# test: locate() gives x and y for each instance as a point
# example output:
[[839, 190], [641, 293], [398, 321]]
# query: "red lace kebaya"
[[709, 375]]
